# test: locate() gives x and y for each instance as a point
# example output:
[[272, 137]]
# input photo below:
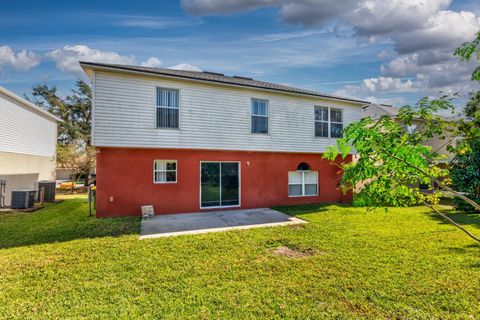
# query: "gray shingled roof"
[[390, 110], [215, 77]]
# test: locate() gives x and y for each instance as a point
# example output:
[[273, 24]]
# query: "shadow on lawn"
[[304, 208], [61, 222], [463, 219]]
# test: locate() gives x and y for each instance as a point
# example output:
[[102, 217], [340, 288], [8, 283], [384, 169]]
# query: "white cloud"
[[67, 58], [378, 85], [445, 29], [21, 61], [424, 35], [152, 62], [393, 101], [185, 67], [387, 84], [153, 22], [210, 7], [378, 17]]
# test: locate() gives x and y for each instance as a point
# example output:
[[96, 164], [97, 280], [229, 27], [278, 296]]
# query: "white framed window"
[[302, 183], [168, 108], [259, 122], [328, 122], [164, 171]]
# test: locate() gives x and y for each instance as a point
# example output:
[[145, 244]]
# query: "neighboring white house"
[[377, 110], [28, 139]]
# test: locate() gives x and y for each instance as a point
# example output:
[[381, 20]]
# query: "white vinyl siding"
[[164, 171], [212, 117], [302, 183], [25, 131]]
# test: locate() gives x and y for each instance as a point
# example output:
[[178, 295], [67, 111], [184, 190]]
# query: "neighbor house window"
[[302, 183], [259, 116], [328, 122], [165, 171], [167, 108]]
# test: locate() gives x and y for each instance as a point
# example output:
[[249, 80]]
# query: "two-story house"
[[186, 141]]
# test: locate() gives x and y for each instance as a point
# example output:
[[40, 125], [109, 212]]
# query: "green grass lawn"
[[404, 264]]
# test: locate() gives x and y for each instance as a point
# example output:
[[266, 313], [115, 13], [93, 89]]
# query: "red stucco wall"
[[125, 180]]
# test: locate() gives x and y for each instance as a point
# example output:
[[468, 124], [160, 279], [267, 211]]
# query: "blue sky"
[[386, 51]]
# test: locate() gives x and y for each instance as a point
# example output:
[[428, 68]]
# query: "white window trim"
[[329, 122], [302, 184], [166, 107], [257, 115], [155, 171]]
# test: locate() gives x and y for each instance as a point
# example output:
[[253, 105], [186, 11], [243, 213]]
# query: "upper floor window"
[[328, 122], [259, 116], [164, 171], [167, 108]]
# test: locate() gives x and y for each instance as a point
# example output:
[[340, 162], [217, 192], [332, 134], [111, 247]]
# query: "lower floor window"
[[302, 183], [165, 171]]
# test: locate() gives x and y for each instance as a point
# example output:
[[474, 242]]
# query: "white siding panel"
[[25, 131], [211, 116]]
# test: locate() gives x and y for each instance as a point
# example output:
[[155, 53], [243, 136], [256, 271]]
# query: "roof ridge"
[[219, 78], [30, 105]]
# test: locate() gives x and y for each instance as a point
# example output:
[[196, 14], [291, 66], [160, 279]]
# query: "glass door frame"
[[239, 185]]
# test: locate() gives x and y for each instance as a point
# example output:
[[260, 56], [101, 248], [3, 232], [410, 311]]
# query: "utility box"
[[23, 199], [49, 190]]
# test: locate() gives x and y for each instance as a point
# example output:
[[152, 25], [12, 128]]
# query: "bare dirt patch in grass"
[[293, 252], [296, 226]]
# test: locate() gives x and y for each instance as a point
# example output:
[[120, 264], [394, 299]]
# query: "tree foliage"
[[393, 160], [74, 142], [76, 157], [465, 174], [465, 169], [469, 50], [465, 166], [75, 111]]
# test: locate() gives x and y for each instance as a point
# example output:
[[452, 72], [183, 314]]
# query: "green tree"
[[469, 50], [392, 160], [465, 174], [74, 133], [472, 108], [465, 167]]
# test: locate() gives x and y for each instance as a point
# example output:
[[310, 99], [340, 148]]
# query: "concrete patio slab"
[[213, 221]]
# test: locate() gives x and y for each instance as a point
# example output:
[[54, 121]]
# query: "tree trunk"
[[87, 177], [72, 186], [452, 222]]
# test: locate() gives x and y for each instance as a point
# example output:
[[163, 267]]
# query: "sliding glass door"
[[219, 184]]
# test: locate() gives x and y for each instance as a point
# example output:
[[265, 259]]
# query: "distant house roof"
[[29, 105], [376, 110], [213, 77]]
